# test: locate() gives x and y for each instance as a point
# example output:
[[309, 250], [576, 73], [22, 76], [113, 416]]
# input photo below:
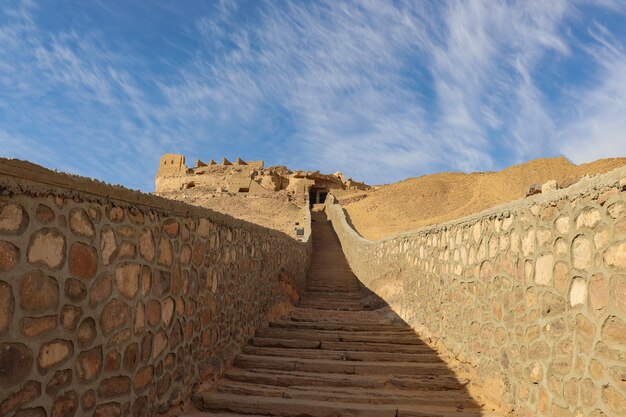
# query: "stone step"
[[316, 353], [437, 383], [406, 338], [285, 343], [345, 289], [331, 294], [348, 327], [334, 300], [375, 347], [341, 346], [245, 361], [305, 314], [457, 400], [218, 414], [344, 307], [321, 303], [386, 395], [287, 407]]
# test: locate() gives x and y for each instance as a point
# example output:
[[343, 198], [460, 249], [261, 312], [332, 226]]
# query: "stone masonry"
[[530, 296], [115, 303]]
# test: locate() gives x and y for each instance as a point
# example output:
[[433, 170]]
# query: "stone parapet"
[[114, 302], [528, 296]]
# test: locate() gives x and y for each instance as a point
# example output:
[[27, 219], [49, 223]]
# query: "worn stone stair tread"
[[342, 394], [285, 343], [351, 327], [331, 294], [294, 378], [287, 407], [341, 336], [218, 414], [336, 308], [391, 335], [345, 355], [346, 316], [302, 378], [334, 366], [375, 347], [330, 321]]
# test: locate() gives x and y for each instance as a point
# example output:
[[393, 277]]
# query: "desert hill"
[[431, 199]]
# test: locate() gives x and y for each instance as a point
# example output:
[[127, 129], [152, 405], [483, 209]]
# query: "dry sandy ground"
[[430, 199], [275, 210]]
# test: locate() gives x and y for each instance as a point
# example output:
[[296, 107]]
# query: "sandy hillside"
[[430, 199], [272, 210]]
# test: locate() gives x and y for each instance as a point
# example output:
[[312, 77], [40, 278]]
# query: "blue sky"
[[381, 90]]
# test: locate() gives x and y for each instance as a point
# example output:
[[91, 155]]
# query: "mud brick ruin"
[[249, 177]]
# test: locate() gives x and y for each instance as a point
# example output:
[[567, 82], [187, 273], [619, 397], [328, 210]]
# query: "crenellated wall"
[[530, 296], [114, 302]]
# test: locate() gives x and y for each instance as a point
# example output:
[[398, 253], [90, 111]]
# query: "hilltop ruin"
[[249, 177]]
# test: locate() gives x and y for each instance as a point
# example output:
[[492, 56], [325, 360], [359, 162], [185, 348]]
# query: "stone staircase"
[[340, 353]]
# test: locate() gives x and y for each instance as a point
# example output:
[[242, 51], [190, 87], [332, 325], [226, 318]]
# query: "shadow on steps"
[[341, 352]]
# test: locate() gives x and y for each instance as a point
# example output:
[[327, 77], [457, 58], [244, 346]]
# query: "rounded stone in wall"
[[146, 245], [9, 256], [31, 412], [16, 362], [86, 332], [615, 401], [140, 407], [578, 292], [142, 378], [44, 214], [101, 289], [581, 252], [614, 332], [46, 248], [111, 409], [89, 364], [81, 224], [88, 400], [60, 380], [7, 306], [114, 315], [114, 387], [598, 292], [171, 227], [83, 261], [38, 292], [75, 290], [35, 326], [615, 256], [131, 357], [108, 245], [69, 317], [112, 361], [127, 279], [65, 405], [153, 312], [27, 393], [54, 353], [13, 218]]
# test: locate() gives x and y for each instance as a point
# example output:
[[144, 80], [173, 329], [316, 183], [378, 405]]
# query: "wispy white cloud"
[[380, 90], [598, 129]]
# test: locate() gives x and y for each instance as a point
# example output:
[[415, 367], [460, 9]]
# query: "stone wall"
[[529, 296], [114, 302]]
